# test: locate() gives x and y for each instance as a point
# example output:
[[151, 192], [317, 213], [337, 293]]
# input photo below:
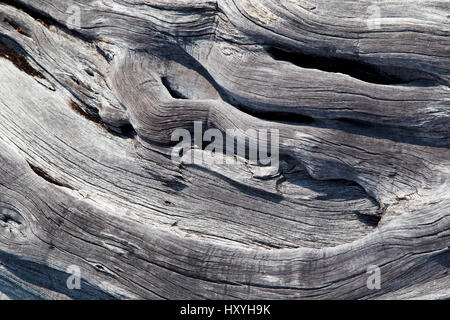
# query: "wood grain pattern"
[[88, 106]]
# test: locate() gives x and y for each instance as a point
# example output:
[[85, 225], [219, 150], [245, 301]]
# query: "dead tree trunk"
[[92, 91]]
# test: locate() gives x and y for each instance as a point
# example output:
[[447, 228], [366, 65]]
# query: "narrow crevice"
[[20, 29], [276, 116], [189, 62], [103, 54], [271, 246], [81, 84], [124, 131], [346, 124], [384, 131], [44, 175], [91, 117], [356, 123], [356, 69], [174, 185], [17, 58], [348, 190]]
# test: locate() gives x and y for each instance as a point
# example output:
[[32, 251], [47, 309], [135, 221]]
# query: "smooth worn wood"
[[91, 92]]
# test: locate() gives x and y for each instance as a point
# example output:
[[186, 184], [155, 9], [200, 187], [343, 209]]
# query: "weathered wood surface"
[[88, 106]]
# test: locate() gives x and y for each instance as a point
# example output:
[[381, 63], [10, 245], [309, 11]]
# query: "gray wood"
[[86, 116]]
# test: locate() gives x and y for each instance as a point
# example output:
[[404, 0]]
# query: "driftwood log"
[[91, 92]]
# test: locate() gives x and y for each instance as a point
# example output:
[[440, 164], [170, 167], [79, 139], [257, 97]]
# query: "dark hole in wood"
[[278, 116], [353, 68], [128, 130], [368, 219], [173, 92]]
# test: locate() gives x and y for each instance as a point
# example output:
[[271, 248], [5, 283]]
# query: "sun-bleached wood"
[[86, 117]]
